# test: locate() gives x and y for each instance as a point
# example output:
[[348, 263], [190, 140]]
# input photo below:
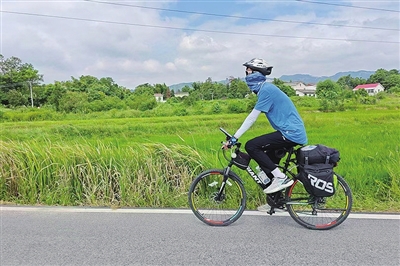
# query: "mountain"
[[179, 86], [305, 78]]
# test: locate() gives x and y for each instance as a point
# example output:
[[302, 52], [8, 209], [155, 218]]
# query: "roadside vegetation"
[[131, 156]]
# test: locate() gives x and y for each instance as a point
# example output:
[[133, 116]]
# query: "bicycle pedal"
[[271, 211]]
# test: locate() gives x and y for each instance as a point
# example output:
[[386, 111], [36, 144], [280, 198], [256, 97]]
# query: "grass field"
[[150, 162]]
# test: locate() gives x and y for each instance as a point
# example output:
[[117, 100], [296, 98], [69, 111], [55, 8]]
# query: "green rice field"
[[151, 161]]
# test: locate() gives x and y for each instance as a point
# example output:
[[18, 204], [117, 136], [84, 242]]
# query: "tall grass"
[[151, 161], [83, 174]]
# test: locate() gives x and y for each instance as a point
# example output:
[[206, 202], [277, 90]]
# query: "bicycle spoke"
[[213, 205], [319, 213]]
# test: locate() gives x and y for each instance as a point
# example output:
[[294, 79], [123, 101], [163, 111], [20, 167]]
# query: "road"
[[101, 236]]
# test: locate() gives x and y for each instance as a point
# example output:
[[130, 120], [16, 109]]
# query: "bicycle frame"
[[212, 200], [274, 198], [252, 173]]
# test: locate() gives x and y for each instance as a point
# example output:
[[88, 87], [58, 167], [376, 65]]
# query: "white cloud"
[[133, 46], [202, 43]]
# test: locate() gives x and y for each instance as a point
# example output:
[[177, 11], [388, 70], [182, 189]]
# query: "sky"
[[157, 42]]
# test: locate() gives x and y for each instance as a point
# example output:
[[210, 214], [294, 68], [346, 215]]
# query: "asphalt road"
[[80, 236]]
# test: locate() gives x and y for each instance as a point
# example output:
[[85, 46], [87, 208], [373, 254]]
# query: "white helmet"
[[260, 65]]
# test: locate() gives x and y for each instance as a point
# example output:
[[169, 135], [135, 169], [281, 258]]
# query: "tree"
[[289, 91], [330, 94], [237, 88], [142, 98], [144, 89], [141, 102], [55, 94], [186, 88], [164, 90], [73, 101], [15, 75], [16, 98], [387, 79], [349, 83]]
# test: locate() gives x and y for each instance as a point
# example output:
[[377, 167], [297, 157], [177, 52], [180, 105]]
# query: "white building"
[[372, 89], [302, 89], [181, 94], [159, 97]]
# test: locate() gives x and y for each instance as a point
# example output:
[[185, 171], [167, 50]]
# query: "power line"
[[359, 7], [240, 17], [201, 30]]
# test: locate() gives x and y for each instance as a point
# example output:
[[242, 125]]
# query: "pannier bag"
[[318, 179], [315, 169], [319, 153], [242, 160]]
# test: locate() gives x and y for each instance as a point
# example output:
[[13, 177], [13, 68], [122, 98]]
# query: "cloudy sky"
[[136, 42]]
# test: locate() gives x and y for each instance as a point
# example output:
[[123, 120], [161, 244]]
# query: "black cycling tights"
[[262, 149]]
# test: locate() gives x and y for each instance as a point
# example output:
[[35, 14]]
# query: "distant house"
[[372, 89], [159, 97], [181, 94], [303, 89]]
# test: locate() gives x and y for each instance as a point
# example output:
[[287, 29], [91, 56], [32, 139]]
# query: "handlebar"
[[231, 151], [226, 133], [228, 136]]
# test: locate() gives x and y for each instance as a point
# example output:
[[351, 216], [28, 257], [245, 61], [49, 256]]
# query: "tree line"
[[21, 85]]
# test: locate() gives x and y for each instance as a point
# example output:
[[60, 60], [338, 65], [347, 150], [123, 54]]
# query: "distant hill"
[[305, 78], [179, 86]]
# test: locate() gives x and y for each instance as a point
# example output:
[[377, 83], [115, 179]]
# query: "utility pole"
[[30, 87]]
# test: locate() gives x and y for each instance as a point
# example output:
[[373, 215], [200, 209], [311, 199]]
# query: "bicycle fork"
[[219, 196]]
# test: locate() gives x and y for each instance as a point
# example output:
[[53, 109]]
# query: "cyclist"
[[283, 117]]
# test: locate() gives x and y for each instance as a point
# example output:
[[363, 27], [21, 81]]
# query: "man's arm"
[[247, 123]]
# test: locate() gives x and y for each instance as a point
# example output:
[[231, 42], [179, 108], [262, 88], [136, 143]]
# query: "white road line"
[[382, 216]]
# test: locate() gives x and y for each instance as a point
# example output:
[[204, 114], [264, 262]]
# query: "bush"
[[368, 100], [216, 108], [305, 101], [31, 114], [395, 89], [237, 107], [381, 95], [181, 112]]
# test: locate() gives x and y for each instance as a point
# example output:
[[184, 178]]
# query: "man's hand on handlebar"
[[229, 143]]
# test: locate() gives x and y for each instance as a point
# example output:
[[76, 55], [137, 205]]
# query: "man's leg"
[[256, 149], [272, 141]]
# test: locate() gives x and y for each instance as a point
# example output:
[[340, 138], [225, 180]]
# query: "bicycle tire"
[[202, 198], [320, 213]]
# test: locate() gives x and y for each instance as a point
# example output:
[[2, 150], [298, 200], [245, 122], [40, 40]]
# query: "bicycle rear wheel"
[[212, 207], [319, 213]]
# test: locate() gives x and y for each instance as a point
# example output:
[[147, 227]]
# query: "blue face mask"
[[254, 81]]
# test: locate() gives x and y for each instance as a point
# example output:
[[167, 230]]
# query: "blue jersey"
[[279, 109]]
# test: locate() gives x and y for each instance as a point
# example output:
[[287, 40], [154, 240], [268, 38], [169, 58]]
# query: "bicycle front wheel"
[[213, 205], [319, 213]]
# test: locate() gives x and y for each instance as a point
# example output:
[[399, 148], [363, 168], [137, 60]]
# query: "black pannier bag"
[[315, 169], [312, 154], [242, 160], [318, 179]]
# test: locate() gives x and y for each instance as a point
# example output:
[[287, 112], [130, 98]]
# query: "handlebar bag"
[[242, 160]]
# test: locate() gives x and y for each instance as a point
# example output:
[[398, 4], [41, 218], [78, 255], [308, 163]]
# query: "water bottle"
[[262, 175]]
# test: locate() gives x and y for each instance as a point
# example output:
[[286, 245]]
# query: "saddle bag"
[[318, 179], [315, 169]]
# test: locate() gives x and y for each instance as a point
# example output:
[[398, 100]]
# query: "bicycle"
[[218, 197]]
